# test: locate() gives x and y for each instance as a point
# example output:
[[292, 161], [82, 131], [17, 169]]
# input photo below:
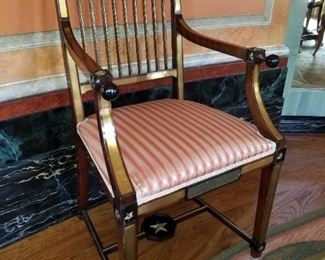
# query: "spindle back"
[[128, 37]]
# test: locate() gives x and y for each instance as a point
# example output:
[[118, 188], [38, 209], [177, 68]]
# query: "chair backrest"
[[132, 39], [129, 37]]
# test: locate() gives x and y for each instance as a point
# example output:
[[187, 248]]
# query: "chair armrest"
[[253, 57], [258, 110], [101, 80], [106, 91]]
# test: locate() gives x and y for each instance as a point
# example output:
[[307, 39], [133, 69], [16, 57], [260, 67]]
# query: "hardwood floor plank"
[[301, 189]]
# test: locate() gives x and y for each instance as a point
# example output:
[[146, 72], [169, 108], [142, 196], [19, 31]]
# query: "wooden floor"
[[301, 189]]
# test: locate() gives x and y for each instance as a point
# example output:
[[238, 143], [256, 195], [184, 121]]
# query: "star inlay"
[[128, 216], [159, 227]]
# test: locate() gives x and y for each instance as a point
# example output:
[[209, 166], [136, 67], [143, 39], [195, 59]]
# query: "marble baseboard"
[[302, 124], [37, 165], [39, 192]]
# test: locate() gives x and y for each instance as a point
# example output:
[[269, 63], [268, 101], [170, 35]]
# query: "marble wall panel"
[[38, 192]]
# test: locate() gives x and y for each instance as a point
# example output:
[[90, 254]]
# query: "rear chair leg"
[[268, 184], [82, 169]]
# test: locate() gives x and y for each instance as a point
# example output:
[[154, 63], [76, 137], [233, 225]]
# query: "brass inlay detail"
[[257, 164], [146, 77], [128, 249], [75, 89], [180, 66], [177, 6], [114, 158], [63, 9], [135, 79]]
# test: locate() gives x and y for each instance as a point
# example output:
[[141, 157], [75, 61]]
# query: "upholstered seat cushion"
[[170, 144]]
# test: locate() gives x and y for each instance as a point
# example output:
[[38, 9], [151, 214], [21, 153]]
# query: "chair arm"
[[258, 110], [253, 57], [106, 91], [101, 80]]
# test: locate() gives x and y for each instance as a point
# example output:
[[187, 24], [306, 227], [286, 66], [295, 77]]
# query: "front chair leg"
[[268, 184], [82, 169], [128, 242]]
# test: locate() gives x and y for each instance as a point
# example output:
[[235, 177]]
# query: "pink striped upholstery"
[[170, 144]]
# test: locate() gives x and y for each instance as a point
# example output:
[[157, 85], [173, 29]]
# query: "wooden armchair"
[[153, 154]]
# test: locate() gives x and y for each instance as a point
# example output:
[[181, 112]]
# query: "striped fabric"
[[170, 144]]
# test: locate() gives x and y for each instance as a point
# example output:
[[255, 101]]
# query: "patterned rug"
[[300, 239]]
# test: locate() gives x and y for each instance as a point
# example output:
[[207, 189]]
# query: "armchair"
[[153, 154]]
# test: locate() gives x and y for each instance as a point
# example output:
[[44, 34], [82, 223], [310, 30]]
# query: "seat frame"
[[105, 89]]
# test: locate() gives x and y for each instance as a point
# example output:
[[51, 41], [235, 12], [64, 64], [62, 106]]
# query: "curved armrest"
[[101, 80], [258, 110], [83, 61], [253, 57]]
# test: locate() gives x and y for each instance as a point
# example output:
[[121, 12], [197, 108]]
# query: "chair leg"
[[82, 169], [268, 184], [319, 15], [308, 16], [128, 242], [320, 35]]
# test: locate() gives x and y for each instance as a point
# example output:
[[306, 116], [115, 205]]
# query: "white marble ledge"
[[20, 89]]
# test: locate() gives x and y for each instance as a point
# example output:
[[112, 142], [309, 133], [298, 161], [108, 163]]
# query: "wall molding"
[[21, 89], [60, 98], [52, 38]]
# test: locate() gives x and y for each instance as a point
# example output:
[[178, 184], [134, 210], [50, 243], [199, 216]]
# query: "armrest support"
[[106, 91], [257, 108], [125, 197], [253, 57]]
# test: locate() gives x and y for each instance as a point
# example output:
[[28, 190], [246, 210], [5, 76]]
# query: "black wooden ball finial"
[[102, 82], [109, 92], [272, 60]]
